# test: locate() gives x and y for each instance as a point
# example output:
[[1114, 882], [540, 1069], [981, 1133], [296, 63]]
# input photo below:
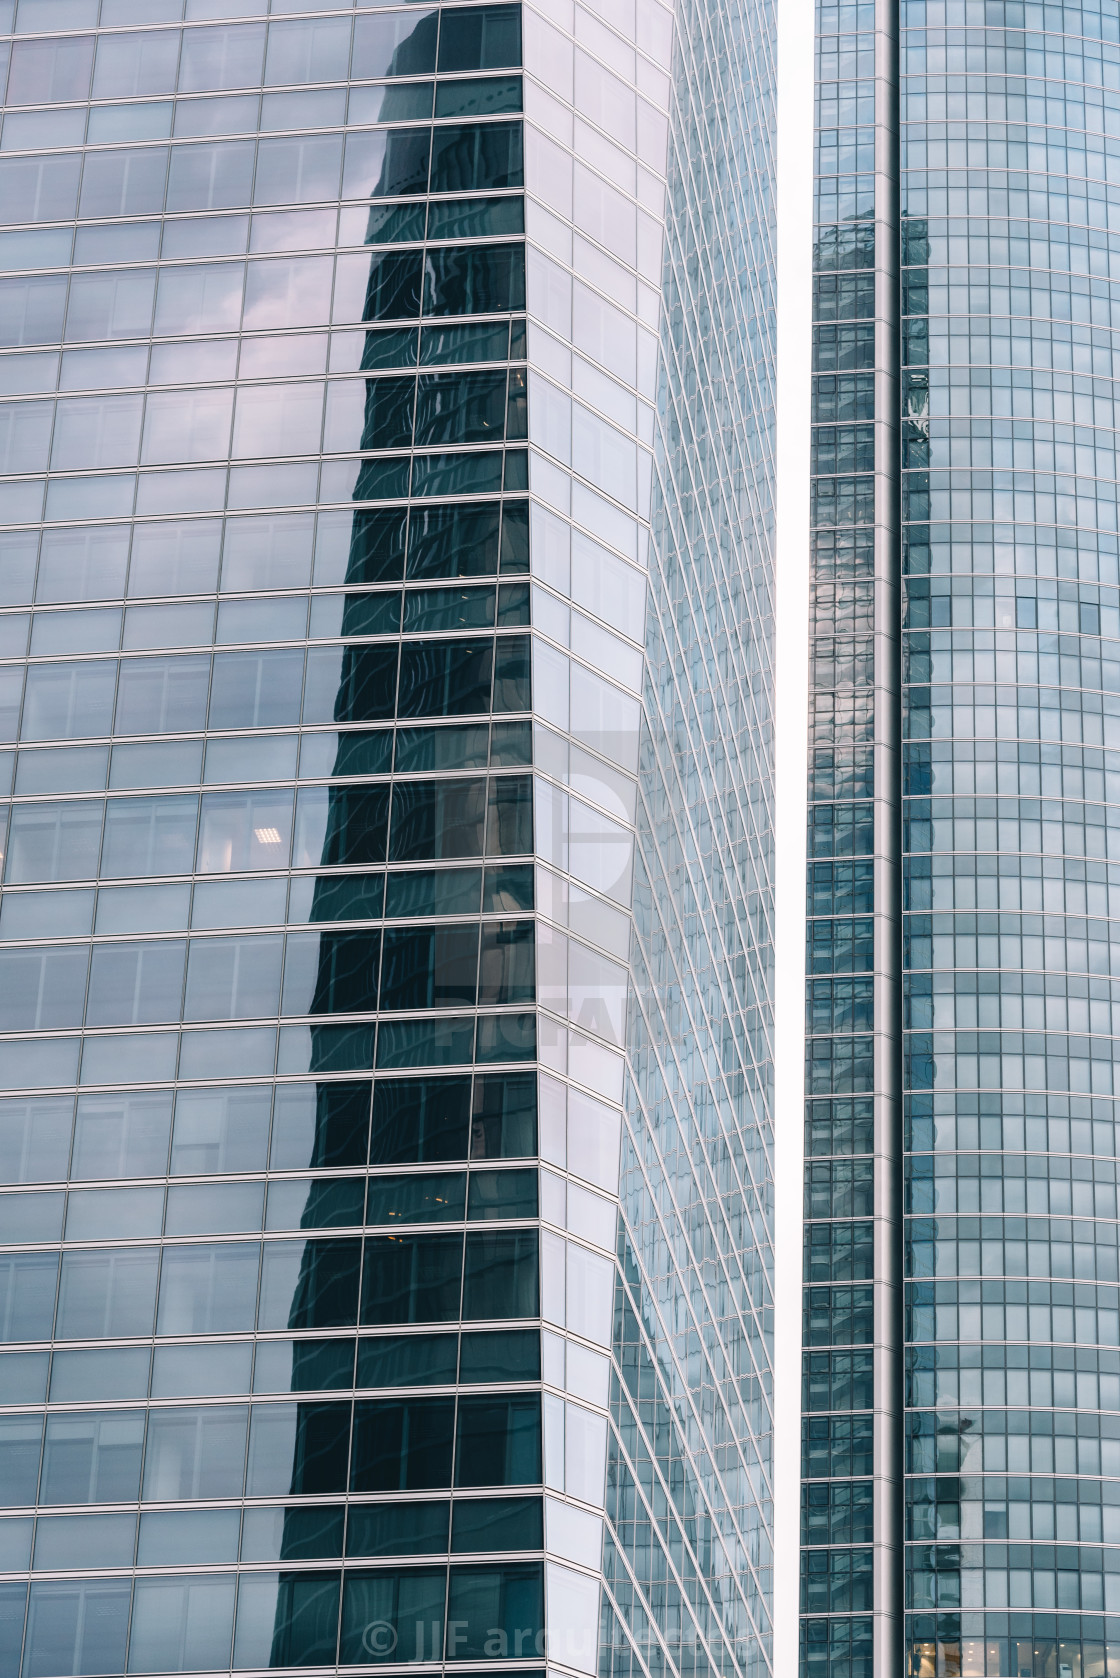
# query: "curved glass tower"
[[386, 435], [1003, 1376]]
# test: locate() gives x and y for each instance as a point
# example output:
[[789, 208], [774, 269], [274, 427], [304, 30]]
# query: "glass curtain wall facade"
[[1010, 1388], [385, 921], [1011, 255]]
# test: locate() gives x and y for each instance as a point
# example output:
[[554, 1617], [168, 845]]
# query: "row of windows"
[[251, 758], [1080, 1443], [1071, 830], [278, 292], [974, 656], [207, 116], [986, 198], [230, 1287], [317, 1447], [111, 1374], [363, 897], [269, 618], [1087, 1391], [460, 965], [329, 1126], [463, 676], [187, 1623], [1093, 1256], [254, 552], [208, 59], [957, 1121], [1031, 1655], [197, 175], [274, 618], [292, 1203], [258, 1051], [272, 358], [432, 410], [1038, 1182], [1070, 1589], [166, 1538], [248, 831]]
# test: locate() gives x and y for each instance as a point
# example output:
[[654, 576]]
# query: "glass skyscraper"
[[386, 916], [961, 1434]]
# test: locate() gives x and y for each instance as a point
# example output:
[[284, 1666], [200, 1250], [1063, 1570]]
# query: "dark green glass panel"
[[416, 1199], [320, 1126], [511, 744], [477, 157], [450, 678], [507, 963], [455, 746], [512, 673], [402, 1444], [477, 473], [407, 1360], [476, 218], [480, 38], [506, 1037], [510, 887], [486, 340], [368, 686], [504, 1118], [503, 1605], [497, 1523], [417, 1120], [476, 280], [348, 897], [383, 479], [388, 413], [390, 346], [334, 1203], [320, 1365], [395, 284], [391, 1614], [326, 1292], [322, 1448], [498, 1441], [346, 981], [510, 1354], [372, 614], [313, 1534], [515, 478], [429, 967], [306, 1625], [429, 609], [438, 820], [364, 752], [501, 1275], [502, 1194], [377, 545], [509, 816], [411, 1279], [515, 537], [454, 408], [446, 1041], [398, 1529], [433, 891], [485, 96], [400, 224], [513, 605], [455, 541]]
